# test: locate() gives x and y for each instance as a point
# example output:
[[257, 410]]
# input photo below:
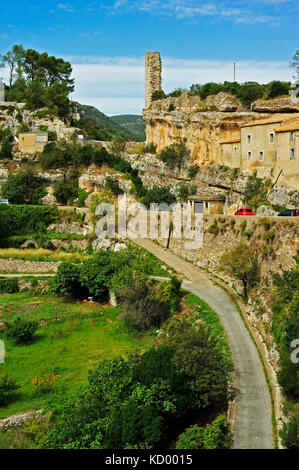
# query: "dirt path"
[[253, 426]]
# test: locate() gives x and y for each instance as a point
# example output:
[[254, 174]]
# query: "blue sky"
[[198, 40]]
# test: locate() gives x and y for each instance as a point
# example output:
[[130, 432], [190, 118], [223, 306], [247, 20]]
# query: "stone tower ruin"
[[153, 70]]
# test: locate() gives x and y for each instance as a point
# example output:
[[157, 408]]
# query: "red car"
[[244, 212]]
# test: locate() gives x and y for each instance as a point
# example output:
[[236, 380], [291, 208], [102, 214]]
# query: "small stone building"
[[230, 154], [206, 205], [287, 153], [32, 142]]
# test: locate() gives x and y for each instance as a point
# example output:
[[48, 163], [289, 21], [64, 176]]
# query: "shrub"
[[158, 195], [192, 171], [7, 385], [95, 274], [9, 286], [192, 438], [67, 280], [171, 107], [21, 220], [24, 188], [113, 186], [290, 433], [269, 236], [150, 148], [100, 156], [143, 307], [175, 155], [19, 330], [158, 95], [45, 383]]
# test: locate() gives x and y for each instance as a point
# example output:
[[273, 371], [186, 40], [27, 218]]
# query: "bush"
[[19, 330], [67, 280], [95, 274], [113, 186], [44, 384], [7, 385], [192, 171], [216, 435], [175, 155], [290, 433], [21, 220], [24, 188], [192, 438], [159, 196], [9, 286], [144, 307]]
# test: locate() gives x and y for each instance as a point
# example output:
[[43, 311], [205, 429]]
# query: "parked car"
[[4, 201], [289, 213], [244, 212]]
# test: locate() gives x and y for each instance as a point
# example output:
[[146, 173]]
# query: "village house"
[[269, 146], [32, 142]]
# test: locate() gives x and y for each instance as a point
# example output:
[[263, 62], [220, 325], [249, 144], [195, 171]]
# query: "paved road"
[[253, 426]]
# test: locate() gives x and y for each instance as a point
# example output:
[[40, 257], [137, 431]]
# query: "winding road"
[[253, 425]]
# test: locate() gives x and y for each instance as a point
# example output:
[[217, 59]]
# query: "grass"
[[41, 254], [204, 313], [72, 339]]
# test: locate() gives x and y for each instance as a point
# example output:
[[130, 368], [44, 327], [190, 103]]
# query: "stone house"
[[206, 205], [287, 153], [32, 142]]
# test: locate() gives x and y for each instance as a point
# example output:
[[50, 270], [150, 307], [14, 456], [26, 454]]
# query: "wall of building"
[[285, 167], [230, 154]]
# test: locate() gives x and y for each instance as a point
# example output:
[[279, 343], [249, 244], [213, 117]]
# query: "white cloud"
[[240, 11], [116, 85]]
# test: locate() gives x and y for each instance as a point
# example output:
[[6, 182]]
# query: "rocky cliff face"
[[203, 123], [13, 114]]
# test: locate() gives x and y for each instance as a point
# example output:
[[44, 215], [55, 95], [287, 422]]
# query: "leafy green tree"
[[95, 274], [13, 60], [217, 435], [241, 262], [159, 95], [5, 150], [158, 195], [200, 360], [67, 190], [294, 64], [250, 92], [24, 188], [175, 155], [67, 280], [277, 88], [192, 438]]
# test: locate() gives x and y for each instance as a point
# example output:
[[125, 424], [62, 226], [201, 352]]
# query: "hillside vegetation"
[[133, 123], [98, 126]]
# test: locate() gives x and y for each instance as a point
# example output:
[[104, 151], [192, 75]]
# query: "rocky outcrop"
[[282, 104]]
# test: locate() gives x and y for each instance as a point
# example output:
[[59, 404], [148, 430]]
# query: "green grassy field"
[[72, 339], [41, 254]]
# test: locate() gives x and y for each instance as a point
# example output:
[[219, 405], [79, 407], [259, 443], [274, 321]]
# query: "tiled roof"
[[271, 120], [234, 140], [288, 127]]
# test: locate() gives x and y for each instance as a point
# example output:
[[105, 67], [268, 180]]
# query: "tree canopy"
[[39, 80]]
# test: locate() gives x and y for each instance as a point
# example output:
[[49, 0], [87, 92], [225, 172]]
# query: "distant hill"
[[132, 123], [98, 126]]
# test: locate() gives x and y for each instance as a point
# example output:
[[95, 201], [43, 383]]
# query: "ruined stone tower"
[[153, 70]]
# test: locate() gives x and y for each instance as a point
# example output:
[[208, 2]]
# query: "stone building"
[[32, 142], [153, 73]]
